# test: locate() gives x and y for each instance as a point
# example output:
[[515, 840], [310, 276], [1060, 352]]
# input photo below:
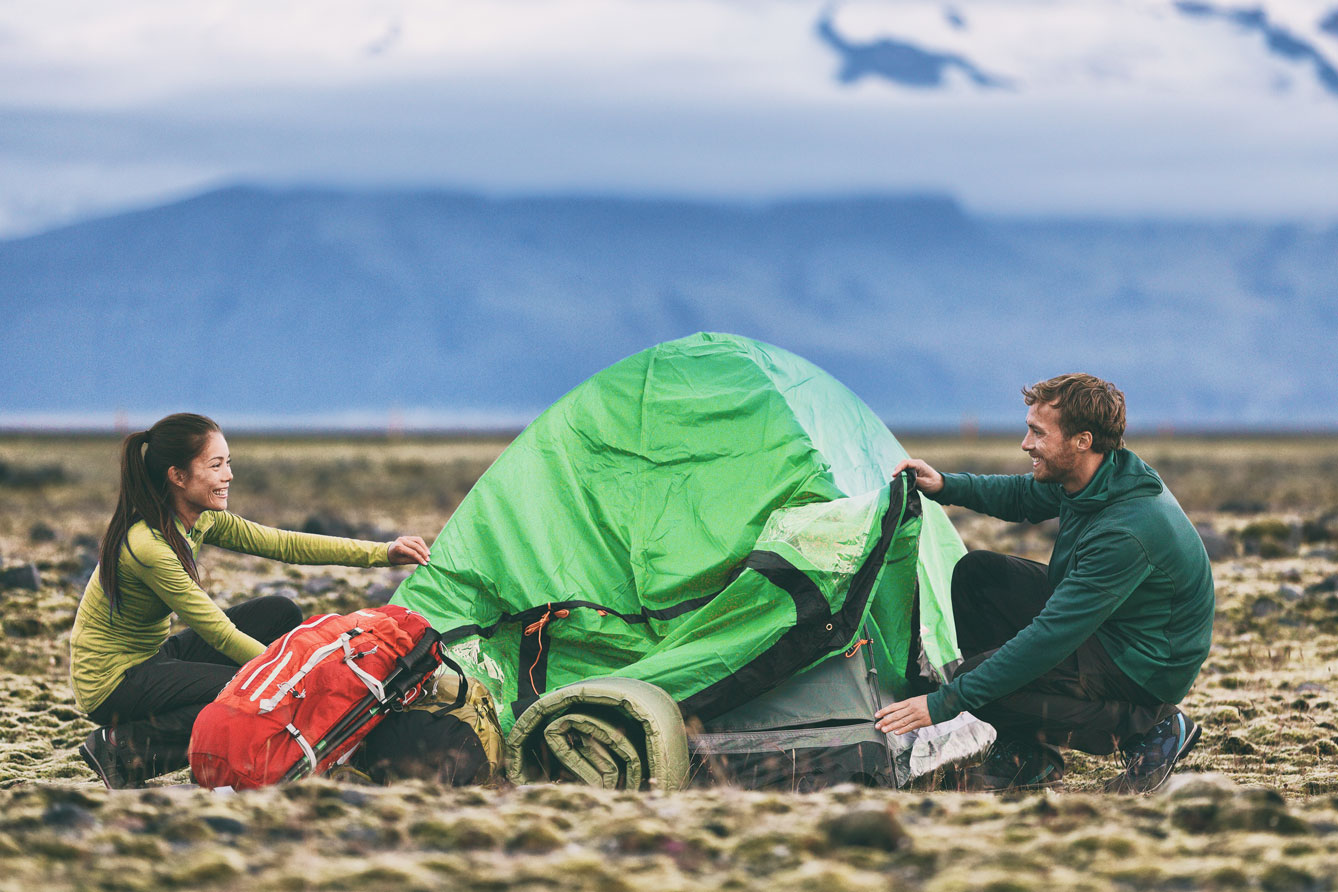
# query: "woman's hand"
[[408, 550], [904, 715]]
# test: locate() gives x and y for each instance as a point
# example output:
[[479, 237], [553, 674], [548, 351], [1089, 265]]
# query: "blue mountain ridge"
[[308, 301]]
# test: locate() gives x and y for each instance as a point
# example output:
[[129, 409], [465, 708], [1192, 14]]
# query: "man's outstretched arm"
[[927, 480], [1011, 497]]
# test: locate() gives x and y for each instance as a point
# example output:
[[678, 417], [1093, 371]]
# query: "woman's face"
[[204, 485]]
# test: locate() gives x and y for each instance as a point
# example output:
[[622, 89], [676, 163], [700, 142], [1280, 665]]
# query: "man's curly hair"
[[1085, 403]]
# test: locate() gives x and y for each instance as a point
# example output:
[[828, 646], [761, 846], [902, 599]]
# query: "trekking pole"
[[369, 706], [409, 672]]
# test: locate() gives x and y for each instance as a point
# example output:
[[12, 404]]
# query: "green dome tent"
[[717, 517]]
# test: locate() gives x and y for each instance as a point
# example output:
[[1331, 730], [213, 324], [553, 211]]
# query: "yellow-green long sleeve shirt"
[[152, 585]]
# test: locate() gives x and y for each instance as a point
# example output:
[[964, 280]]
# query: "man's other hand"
[[903, 716], [927, 480]]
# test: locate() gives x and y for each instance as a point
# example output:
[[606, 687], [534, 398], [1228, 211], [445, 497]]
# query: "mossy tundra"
[[1254, 807]]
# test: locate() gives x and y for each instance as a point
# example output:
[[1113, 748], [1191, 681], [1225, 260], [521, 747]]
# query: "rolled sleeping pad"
[[614, 733]]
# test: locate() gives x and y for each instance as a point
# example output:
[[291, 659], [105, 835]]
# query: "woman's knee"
[[270, 617], [286, 613]]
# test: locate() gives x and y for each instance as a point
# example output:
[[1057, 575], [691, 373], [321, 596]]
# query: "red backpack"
[[312, 696]]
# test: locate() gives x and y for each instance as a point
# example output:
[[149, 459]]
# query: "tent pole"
[[871, 676]]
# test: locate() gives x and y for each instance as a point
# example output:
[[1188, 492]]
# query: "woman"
[[141, 686]]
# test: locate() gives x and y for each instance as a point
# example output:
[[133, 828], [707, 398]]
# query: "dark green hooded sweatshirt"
[[1127, 566]]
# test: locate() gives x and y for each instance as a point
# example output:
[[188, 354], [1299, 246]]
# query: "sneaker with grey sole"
[[1015, 764], [1149, 759], [100, 754]]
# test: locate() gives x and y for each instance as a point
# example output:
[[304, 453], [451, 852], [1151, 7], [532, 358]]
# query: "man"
[[1093, 651]]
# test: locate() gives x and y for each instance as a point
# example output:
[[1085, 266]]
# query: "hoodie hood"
[[1121, 476]]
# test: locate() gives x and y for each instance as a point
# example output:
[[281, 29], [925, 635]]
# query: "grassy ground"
[[1263, 813]]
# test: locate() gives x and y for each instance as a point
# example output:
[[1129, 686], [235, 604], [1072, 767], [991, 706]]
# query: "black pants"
[[153, 708], [1086, 702]]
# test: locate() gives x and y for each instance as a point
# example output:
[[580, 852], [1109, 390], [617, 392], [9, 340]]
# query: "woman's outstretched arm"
[[235, 533]]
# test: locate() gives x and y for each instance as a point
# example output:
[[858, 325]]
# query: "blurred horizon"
[[393, 426]]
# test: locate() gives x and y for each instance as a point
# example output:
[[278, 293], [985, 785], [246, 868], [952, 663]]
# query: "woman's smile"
[[206, 488]]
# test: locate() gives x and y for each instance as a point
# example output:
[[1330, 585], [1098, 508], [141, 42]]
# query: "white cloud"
[[82, 54], [1119, 104]]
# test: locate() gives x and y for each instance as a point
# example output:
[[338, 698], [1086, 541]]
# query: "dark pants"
[[1086, 702], [153, 708]]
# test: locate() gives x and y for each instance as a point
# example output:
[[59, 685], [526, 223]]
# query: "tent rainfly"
[[717, 517]]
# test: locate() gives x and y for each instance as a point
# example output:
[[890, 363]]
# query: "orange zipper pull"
[[858, 644]]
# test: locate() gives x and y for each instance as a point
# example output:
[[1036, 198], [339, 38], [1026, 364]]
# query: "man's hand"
[[408, 550], [927, 480], [904, 715]]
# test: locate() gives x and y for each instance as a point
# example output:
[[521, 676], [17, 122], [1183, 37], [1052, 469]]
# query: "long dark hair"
[[145, 457]]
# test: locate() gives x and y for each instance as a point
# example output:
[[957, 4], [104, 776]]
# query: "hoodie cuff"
[[952, 484], [943, 704]]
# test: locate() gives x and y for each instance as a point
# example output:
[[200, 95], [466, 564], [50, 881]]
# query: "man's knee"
[[976, 570]]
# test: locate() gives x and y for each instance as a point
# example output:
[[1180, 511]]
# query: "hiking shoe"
[[100, 754], [1148, 759], [1016, 764]]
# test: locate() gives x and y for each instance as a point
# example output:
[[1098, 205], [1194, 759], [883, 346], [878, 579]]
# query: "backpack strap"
[[274, 673], [306, 747], [317, 656], [371, 681]]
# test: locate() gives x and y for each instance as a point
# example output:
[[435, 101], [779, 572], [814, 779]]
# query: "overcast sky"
[[1104, 107]]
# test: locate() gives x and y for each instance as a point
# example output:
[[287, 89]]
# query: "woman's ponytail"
[[145, 458]]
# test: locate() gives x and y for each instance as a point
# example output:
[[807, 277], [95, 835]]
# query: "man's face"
[[1054, 457]]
